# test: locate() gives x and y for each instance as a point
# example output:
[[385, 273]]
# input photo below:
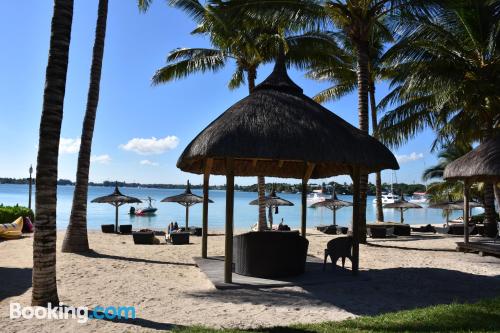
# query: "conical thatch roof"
[[116, 198], [273, 200], [187, 198], [276, 130], [332, 203], [482, 163]]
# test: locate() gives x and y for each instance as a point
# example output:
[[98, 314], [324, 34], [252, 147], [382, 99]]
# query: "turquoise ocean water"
[[244, 214]]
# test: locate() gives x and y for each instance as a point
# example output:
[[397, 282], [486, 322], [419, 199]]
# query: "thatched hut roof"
[[276, 130], [480, 164], [402, 204], [116, 198], [186, 199], [273, 200]]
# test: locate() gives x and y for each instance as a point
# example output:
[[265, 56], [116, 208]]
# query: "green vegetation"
[[9, 213], [483, 316]]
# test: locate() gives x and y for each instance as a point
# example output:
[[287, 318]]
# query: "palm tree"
[[340, 69], [248, 44], [446, 156], [76, 239], [44, 242], [446, 77]]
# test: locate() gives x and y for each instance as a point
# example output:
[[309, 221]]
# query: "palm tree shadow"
[[144, 323], [95, 254], [15, 281]]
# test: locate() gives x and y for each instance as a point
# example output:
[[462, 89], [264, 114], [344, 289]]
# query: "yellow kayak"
[[12, 230]]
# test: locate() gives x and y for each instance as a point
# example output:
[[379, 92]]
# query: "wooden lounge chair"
[[377, 232], [340, 247]]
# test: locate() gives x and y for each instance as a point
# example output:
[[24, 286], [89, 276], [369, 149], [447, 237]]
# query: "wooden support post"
[[228, 263], [116, 217], [466, 211], [307, 175], [204, 232], [335, 216], [402, 219], [355, 220], [187, 217]]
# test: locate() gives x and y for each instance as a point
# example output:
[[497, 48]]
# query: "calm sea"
[[244, 214]]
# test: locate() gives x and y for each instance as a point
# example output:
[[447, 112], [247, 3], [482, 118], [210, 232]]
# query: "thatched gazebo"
[[278, 131], [402, 205], [272, 201], [334, 204], [116, 199], [186, 199], [479, 165]]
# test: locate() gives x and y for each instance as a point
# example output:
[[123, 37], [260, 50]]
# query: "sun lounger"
[[145, 238], [427, 228], [108, 228], [126, 229], [179, 238], [377, 232], [340, 247]]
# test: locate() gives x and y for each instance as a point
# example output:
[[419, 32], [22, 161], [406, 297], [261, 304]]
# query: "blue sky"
[[131, 111]]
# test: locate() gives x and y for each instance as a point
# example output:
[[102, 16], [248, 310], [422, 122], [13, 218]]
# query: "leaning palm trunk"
[[76, 239], [44, 242], [363, 87], [261, 181], [378, 178]]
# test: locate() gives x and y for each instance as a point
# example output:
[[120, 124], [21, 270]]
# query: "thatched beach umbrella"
[[402, 205], [116, 199], [334, 204], [450, 205], [482, 164], [278, 131], [186, 199], [272, 201]]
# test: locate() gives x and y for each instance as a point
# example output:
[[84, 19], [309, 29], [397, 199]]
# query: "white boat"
[[316, 196], [419, 197], [388, 198]]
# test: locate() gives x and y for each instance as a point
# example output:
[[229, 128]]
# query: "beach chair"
[[178, 238], [126, 229], [108, 228], [340, 247], [145, 238], [377, 232]]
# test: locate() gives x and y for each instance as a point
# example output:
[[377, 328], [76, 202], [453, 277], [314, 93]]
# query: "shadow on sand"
[[15, 281], [373, 292], [409, 248], [95, 254]]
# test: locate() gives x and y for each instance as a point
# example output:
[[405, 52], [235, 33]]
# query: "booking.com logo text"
[[82, 313]]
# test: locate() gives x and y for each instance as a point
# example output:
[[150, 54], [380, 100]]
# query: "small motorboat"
[[315, 197], [149, 210], [419, 197]]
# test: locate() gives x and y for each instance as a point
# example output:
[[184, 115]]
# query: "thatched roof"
[[186, 199], [448, 205], [332, 203], [276, 130], [116, 198], [480, 164], [273, 200]]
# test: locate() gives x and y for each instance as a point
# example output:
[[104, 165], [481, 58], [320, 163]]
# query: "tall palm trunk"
[[261, 181], [363, 88], [76, 239], [378, 178], [44, 241]]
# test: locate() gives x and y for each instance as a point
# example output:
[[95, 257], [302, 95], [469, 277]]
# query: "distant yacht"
[[388, 198], [419, 197], [316, 196]]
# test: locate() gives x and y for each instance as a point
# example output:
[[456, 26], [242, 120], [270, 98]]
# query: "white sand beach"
[[167, 289]]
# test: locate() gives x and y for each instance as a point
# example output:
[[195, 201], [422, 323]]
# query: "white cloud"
[[409, 158], [69, 146], [148, 162], [101, 159], [151, 146]]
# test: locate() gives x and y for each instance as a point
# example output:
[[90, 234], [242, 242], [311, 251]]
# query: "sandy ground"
[[167, 289]]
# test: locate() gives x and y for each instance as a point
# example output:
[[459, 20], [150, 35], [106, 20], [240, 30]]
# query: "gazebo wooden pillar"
[[204, 226], [228, 250], [309, 167], [355, 219], [466, 210]]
